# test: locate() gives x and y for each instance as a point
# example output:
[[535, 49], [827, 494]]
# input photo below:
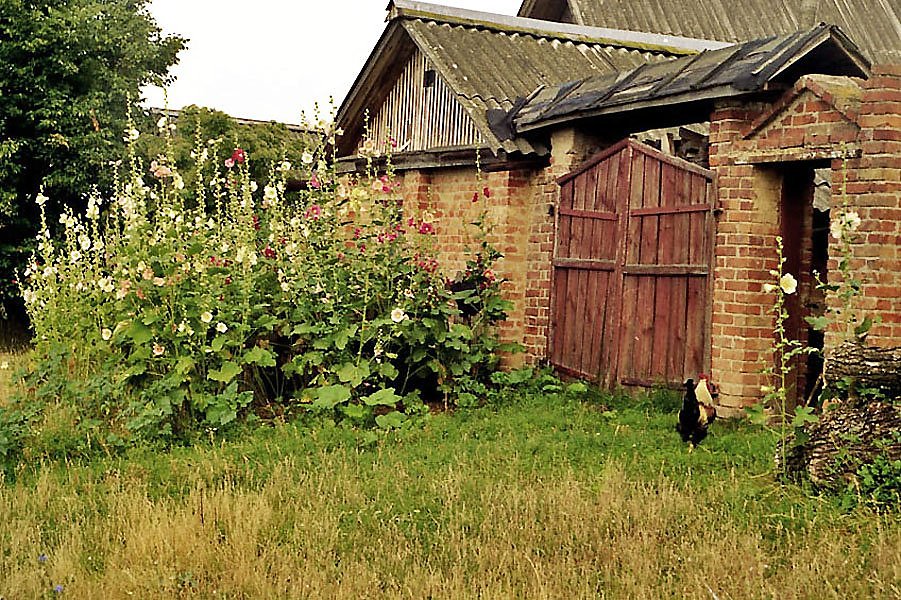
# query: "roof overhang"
[[686, 85]]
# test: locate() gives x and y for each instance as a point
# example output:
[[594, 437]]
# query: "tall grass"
[[11, 361], [544, 498]]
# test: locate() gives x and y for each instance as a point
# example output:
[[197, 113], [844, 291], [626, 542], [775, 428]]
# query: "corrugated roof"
[[874, 24], [489, 69], [489, 61], [734, 71]]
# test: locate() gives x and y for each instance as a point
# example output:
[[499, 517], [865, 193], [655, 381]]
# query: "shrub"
[[164, 312]]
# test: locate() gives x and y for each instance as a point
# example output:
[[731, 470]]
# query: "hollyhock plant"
[[158, 316]]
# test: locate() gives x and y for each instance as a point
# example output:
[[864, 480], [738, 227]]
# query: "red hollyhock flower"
[[268, 252], [238, 155], [486, 191]]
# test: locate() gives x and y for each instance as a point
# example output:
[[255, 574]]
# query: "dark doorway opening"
[[804, 226]]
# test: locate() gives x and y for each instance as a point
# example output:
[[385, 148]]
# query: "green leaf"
[[329, 396], [354, 411], [218, 343], [863, 329], [757, 414], [228, 372], [353, 374], [520, 376], [139, 333], [388, 371], [818, 323], [803, 415], [392, 420], [385, 397], [259, 356], [184, 365], [576, 388]]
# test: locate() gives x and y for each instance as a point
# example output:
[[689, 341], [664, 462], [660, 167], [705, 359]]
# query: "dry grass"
[[10, 362], [343, 523]]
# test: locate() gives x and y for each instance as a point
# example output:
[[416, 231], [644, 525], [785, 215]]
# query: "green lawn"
[[542, 497]]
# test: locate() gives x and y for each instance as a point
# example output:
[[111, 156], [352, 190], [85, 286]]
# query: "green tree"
[[266, 144], [69, 72]]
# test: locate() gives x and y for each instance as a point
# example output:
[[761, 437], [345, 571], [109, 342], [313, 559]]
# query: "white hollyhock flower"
[[221, 327], [398, 315], [206, 316], [788, 283], [106, 334]]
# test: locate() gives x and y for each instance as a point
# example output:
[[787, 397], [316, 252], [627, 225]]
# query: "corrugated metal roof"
[[875, 25], [489, 61], [489, 69], [737, 70]]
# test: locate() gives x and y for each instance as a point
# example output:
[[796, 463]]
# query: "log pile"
[[855, 429]]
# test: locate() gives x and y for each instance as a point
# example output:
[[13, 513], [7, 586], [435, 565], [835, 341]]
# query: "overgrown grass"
[[543, 497], [11, 361]]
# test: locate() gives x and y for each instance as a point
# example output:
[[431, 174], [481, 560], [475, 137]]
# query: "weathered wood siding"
[[419, 117], [632, 268]]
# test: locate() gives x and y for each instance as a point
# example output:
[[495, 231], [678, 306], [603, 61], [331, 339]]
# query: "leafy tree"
[[266, 144], [69, 72]]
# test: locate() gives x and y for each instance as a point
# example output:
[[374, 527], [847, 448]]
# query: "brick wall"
[[520, 211], [853, 127], [447, 196]]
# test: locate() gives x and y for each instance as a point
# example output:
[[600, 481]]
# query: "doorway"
[[804, 227]]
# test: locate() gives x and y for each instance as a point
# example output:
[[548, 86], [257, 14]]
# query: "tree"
[[70, 70], [266, 144]]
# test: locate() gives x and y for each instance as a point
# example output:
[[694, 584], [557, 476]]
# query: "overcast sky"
[[270, 59]]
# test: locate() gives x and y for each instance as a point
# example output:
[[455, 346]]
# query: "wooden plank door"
[[632, 268], [586, 267]]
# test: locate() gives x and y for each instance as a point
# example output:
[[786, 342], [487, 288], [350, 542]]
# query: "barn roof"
[[739, 70], [875, 24], [489, 60]]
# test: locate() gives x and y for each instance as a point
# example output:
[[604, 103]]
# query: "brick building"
[[543, 110]]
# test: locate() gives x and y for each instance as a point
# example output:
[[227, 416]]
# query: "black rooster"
[[695, 416]]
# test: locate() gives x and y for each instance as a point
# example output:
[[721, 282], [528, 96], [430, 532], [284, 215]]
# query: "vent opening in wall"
[[428, 78]]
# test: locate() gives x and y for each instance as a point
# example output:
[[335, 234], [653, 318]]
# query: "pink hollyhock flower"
[[314, 212], [229, 162], [314, 182], [238, 156], [357, 233], [426, 228]]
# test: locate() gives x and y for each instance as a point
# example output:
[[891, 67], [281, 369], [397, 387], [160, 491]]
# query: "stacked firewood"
[[854, 429]]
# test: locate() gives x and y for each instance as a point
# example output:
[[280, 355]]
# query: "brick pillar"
[[569, 148], [745, 251], [871, 186]]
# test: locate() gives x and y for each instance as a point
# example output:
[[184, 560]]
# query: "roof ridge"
[[652, 42]]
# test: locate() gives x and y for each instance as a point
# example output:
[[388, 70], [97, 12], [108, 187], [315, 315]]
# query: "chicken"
[[697, 411]]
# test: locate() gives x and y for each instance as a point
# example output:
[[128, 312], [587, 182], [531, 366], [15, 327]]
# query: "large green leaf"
[[139, 333], [228, 372], [392, 420], [353, 374], [385, 397], [329, 396], [259, 356]]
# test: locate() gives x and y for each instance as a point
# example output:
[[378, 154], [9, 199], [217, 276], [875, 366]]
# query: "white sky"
[[270, 59]]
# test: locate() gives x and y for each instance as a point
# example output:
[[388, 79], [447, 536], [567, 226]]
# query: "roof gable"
[[488, 61]]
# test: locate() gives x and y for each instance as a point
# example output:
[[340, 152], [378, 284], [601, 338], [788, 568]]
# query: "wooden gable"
[[420, 112]]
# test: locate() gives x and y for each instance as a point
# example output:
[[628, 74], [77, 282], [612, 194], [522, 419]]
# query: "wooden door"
[[632, 268]]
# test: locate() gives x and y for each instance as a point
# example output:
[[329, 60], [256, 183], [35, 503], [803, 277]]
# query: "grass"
[[11, 361], [543, 497]]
